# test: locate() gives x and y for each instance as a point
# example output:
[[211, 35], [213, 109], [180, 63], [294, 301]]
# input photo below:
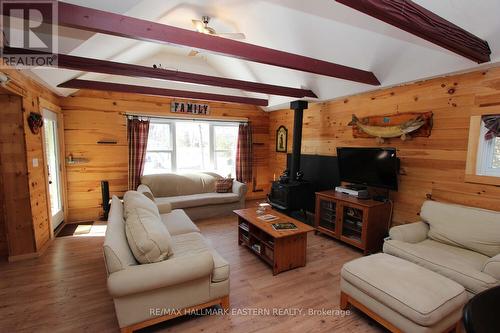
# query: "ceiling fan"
[[203, 27]]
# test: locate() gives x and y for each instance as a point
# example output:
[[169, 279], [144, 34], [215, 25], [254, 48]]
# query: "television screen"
[[377, 167]]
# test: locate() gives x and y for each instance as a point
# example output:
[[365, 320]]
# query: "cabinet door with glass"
[[353, 224], [327, 215]]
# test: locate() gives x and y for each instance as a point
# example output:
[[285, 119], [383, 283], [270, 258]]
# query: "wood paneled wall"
[[91, 116], [428, 165], [29, 230], [16, 215]]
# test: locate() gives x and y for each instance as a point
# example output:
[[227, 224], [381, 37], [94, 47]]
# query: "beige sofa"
[[194, 276], [461, 243], [194, 193]]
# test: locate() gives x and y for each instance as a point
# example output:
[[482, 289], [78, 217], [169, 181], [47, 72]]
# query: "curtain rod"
[[239, 120]]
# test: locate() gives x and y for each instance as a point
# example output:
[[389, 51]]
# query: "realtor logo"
[[29, 32]]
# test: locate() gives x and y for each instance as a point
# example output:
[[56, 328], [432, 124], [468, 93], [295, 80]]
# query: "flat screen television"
[[377, 167]]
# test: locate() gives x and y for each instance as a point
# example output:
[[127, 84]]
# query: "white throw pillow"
[[134, 199], [147, 237]]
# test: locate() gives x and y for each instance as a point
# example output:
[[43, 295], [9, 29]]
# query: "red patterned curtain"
[[244, 154], [137, 134]]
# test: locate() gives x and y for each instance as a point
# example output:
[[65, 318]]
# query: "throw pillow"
[[134, 199], [147, 237], [223, 185]]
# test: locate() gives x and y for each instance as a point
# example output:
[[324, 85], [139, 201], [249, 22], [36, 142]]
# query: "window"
[[488, 155], [160, 151], [186, 146]]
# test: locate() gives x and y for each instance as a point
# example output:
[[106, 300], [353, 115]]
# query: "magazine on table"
[[284, 226]]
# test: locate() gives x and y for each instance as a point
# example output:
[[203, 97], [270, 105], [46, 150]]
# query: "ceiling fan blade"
[[193, 53], [199, 25], [235, 35]]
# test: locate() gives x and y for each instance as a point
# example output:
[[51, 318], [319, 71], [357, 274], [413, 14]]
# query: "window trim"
[[212, 151], [473, 151]]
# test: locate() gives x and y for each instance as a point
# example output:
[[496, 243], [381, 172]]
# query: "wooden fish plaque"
[[395, 120]]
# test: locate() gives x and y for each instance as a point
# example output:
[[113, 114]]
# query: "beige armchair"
[[458, 242]]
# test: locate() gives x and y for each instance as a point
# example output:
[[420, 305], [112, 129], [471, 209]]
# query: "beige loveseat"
[[193, 276], [194, 193], [461, 243]]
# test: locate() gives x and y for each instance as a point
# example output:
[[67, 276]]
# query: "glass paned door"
[[53, 167], [328, 215]]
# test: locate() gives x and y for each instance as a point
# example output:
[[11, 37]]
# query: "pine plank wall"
[[29, 226], [429, 165], [91, 116], [434, 165]]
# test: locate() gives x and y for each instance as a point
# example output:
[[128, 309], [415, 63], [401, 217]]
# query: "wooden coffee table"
[[283, 250]]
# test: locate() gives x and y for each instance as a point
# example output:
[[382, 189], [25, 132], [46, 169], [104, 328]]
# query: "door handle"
[[50, 182]]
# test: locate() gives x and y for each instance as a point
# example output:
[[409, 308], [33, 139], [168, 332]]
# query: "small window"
[[488, 155]]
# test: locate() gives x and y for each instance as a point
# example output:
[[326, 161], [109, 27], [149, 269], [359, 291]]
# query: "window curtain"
[[244, 154], [137, 134], [492, 123]]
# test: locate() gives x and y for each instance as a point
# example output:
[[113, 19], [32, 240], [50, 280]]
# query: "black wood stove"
[[291, 192]]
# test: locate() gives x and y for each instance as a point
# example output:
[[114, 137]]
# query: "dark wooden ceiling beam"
[[415, 19], [89, 19], [118, 68], [127, 88]]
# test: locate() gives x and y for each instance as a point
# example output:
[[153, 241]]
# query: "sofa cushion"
[[192, 243], [471, 228], [177, 222], [164, 207], [201, 199], [492, 267], [461, 265], [134, 199], [116, 250], [418, 294], [171, 185], [147, 237]]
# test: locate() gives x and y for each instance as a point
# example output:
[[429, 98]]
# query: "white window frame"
[[212, 149], [485, 155]]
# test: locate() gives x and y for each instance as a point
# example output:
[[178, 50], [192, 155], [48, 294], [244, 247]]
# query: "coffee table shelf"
[[282, 250]]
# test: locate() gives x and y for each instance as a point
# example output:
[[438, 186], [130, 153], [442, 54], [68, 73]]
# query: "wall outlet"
[[35, 163]]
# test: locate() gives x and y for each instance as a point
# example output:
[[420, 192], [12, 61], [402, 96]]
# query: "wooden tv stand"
[[358, 222]]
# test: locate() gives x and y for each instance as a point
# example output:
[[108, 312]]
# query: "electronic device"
[[376, 167], [359, 193]]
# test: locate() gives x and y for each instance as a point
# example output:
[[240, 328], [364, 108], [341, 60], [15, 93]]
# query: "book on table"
[[284, 226]]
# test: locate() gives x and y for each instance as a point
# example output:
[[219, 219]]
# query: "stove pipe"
[[299, 107]]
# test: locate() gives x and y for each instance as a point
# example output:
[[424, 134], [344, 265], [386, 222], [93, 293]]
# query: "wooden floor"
[[65, 290]]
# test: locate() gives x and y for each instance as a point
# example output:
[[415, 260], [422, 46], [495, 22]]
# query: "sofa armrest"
[[239, 188], [410, 233], [170, 272], [492, 267], [144, 189]]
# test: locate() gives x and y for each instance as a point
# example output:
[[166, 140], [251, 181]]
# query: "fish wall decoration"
[[402, 125]]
